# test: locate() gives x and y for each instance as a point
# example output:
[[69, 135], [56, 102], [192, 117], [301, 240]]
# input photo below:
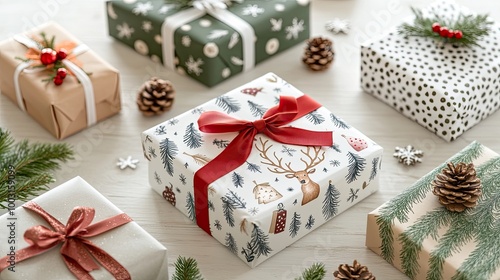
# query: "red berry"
[[458, 34], [62, 72], [48, 56], [451, 33], [443, 32], [62, 54], [57, 80], [436, 27]]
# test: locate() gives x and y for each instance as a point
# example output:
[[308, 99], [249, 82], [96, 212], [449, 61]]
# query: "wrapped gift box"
[[62, 110], [60, 202], [209, 47], [424, 240], [258, 209], [445, 88]]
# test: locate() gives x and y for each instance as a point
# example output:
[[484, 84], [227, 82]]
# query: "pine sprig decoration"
[[186, 269], [32, 164], [465, 31], [315, 272]]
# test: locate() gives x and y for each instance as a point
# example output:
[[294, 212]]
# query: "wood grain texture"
[[98, 148]]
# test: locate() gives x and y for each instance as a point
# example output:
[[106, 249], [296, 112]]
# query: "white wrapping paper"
[[142, 255]]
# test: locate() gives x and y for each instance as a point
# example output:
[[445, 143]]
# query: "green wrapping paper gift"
[[211, 40]]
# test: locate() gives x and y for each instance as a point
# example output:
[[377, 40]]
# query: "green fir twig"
[[30, 166], [186, 269], [315, 272], [473, 27]]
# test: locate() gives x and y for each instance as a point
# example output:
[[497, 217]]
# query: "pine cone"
[[155, 97], [457, 186], [319, 53], [354, 272]]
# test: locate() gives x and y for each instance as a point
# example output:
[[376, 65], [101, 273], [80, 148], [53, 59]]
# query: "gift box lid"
[[424, 240], [445, 88], [59, 202]]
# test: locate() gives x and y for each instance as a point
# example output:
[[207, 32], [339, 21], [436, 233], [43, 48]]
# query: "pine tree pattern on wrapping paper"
[[375, 164], [168, 151], [356, 166], [258, 245], [231, 243], [400, 207], [231, 200], [192, 137], [256, 109], [228, 104]]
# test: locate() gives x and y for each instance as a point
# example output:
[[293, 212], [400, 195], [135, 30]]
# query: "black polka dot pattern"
[[445, 88]]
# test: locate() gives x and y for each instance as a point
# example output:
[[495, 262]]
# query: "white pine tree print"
[[292, 31], [217, 34]]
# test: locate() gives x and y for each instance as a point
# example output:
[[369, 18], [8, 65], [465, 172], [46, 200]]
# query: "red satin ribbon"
[[78, 253], [236, 153]]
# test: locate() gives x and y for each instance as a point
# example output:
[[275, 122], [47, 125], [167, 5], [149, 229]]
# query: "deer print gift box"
[[268, 165]]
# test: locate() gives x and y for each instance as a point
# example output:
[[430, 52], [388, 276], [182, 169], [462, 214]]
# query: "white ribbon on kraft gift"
[[218, 10], [79, 74]]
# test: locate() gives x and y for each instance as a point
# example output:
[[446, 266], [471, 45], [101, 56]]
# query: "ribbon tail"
[[118, 271], [22, 255], [77, 270], [234, 155]]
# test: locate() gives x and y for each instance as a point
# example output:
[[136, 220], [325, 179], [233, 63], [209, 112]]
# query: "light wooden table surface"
[[98, 148]]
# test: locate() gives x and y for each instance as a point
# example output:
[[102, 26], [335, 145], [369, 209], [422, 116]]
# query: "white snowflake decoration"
[[408, 155], [128, 162], [338, 26], [276, 24], [124, 30], [186, 41], [165, 8], [142, 8], [252, 10], [147, 26], [293, 30], [194, 66]]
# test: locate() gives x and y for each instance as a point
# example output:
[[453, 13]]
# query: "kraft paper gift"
[[258, 209], [61, 110], [445, 88], [424, 240], [143, 256]]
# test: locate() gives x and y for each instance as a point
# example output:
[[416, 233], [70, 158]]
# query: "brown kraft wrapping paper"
[[60, 109]]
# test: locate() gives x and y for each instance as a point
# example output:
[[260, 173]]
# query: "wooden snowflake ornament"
[[128, 162], [408, 155], [338, 26]]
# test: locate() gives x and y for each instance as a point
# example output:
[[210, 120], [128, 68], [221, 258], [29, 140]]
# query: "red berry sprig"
[[445, 32], [60, 75]]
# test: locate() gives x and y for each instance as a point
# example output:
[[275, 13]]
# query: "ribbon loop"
[[236, 153], [79, 254]]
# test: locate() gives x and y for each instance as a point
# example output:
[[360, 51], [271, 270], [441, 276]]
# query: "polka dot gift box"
[[259, 190], [209, 41], [444, 87]]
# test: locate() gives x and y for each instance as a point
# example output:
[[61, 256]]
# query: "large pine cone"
[[318, 54], [457, 186], [155, 97], [354, 272]]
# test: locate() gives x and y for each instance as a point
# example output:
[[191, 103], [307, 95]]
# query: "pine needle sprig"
[[32, 164], [473, 27], [186, 269], [315, 272]]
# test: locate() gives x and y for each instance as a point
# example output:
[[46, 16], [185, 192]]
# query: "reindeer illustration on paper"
[[310, 189]]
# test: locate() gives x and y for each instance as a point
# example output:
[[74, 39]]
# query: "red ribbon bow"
[[78, 253], [236, 153]]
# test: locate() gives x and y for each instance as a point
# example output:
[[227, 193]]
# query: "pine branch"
[[235, 200], [256, 109], [30, 166], [356, 166], [231, 243], [237, 180], [310, 222], [191, 207], [338, 122], [253, 167], [473, 28], [227, 210], [331, 201], [374, 168], [228, 104], [315, 117], [295, 225], [400, 206], [260, 242], [192, 137], [315, 272], [186, 269], [168, 151]]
